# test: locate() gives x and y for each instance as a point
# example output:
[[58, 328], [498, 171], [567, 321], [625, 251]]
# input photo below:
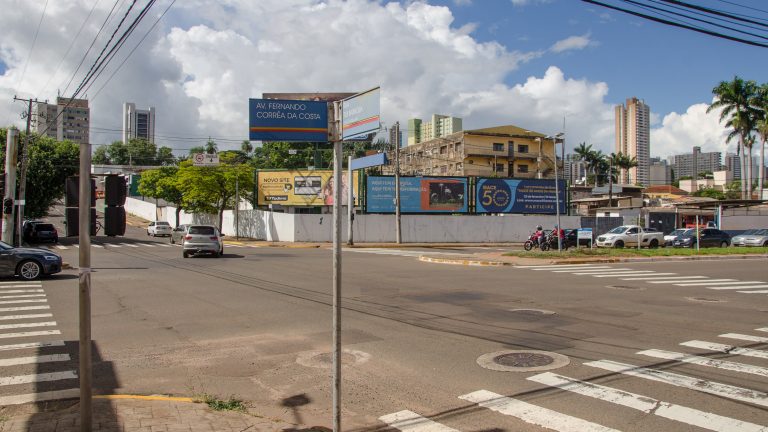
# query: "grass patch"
[[630, 252], [216, 404]]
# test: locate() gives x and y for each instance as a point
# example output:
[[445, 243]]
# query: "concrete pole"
[[23, 175], [398, 227], [337, 160], [86, 408], [557, 197], [350, 202], [11, 159]]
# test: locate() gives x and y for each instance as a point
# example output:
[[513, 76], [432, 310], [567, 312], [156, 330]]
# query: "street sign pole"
[[350, 203], [337, 194], [86, 409], [11, 158]]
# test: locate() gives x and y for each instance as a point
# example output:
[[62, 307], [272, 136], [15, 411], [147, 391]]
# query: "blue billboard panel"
[[377, 159], [287, 120], [417, 195], [360, 114], [518, 196]]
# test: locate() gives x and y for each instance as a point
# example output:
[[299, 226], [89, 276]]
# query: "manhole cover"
[[705, 300], [324, 359], [522, 361], [533, 311], [624, 287]]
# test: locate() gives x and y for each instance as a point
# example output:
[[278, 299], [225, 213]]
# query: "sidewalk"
[[146, 414]]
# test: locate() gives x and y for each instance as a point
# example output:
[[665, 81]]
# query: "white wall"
[[142, 209]]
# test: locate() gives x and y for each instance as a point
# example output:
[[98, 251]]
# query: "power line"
[[32, 48]]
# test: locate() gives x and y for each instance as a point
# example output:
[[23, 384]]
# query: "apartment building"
[[68, 119], [686, 165], [575, 169], [633, 138], [659, 172], [439, 126], [138, 123]]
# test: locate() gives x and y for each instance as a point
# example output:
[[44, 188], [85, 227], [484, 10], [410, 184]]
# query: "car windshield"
[[618, 230], [690, 233], [202, 230], [44, 227], [163, 224], [678, 232]]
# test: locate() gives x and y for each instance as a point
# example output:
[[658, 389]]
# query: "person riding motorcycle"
[[540, 236]]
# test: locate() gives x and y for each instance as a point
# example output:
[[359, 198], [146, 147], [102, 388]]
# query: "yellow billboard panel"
[[300, 188]]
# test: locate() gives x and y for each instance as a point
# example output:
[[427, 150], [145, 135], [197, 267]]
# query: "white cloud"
[[572, 43], [695, 127]]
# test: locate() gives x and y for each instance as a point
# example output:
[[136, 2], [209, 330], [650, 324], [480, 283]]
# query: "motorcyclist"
[[540, 237], [558, 234]]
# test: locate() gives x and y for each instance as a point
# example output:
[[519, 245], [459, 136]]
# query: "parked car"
[[28, 263], [43, 232], [178, 233], [26, 227], [670, 238], [159, 228], [709, 237], [628, 235], [752, 237], [203, 239]]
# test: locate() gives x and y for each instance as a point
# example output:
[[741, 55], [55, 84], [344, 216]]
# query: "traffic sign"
[[360, 114], [205, 159], [288, 120]]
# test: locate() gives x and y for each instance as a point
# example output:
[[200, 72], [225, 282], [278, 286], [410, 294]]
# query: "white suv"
[[159, 228]]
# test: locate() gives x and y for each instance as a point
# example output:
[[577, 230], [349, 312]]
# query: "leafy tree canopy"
[[135, 152]]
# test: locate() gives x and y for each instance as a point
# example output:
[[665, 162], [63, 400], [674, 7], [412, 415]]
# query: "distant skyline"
[[530, 63]]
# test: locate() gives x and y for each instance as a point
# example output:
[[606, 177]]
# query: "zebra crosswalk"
[[33, 364], [673, 385], [655, 277]]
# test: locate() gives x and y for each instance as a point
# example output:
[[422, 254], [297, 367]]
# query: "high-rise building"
[[660, 172], [686, 165], [69, 119], [575, 169], [138, 123], [732, 164], [439, 126], [633, 138]]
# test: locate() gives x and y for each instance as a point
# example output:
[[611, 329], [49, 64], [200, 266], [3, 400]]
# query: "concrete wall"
[[142, 209]]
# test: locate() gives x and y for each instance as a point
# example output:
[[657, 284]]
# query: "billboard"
[[518, 196], [360, 114], [300, 188], [417, 195], [287, 120]]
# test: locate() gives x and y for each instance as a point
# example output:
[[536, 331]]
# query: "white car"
[[629, 235], [159, 228], [671, 237]]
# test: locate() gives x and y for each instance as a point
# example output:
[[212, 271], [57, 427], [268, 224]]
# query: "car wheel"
[[654, 244], [619, 244], [724, 244], [29, 270], [765, 244], [185, 254], [221, 252]]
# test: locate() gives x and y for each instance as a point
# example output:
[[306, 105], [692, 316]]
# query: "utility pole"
[[335, 123], [557, 192], [395, 138], [84, 216], [24, 164], [610, 181], [237, 207], [350, 202], [11, 159]]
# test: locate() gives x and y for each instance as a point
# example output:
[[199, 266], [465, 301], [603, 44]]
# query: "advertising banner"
[[287, 120], [417, 195], [300, 188], [360, 114], [518, 196]]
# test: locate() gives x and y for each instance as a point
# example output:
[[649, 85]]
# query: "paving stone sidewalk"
[[131, 415]]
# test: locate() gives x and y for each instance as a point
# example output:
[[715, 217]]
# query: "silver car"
[[178, 233], [752, 237], [203, 239]]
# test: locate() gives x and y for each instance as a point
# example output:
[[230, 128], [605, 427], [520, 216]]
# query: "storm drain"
[[522, 361], [324, 359], [533, 312], [705, 300]]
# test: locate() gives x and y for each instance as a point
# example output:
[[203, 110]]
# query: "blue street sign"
[[360, 114], [288, 120], [377, 159]]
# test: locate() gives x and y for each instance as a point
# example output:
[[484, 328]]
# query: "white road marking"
[[646, 404], [745, 337], [29, 316], [31, 345], [728, 349], [666, 281], [7, 287], [97, 245], [409, 421], [2, 284], [753, 292], [703, 361], [111, 245], [531, 413], [725, 282], [620, 274], [163, 245], [40, 397], [698, 384], [29, 334], [653, 276], [22, 296], [61, 247], [577, 269], [764, 285], [25, 379], [147, 244], [762, 329], [666, 278], [597, 271], [709, 281], [23, 308], [27, 325], [22, 301], [129, 245], [20, 291], [34, 360], [556, 266]]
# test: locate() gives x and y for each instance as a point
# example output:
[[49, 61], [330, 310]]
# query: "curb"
[[465, 261], [652, 259], [146, 398]]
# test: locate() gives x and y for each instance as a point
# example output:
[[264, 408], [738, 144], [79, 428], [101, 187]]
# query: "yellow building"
[[503, 151]]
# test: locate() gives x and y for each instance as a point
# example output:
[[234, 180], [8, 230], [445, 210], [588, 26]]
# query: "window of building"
[[522, 169], [458, 147], [443, 149], [498, 147], [522, 148], [443, 169], [499, 167]]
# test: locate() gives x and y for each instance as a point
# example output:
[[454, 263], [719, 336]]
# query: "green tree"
[[50, 163], [735, 99], [761, 126], [163, 183], [211, 147], [99, 156], [165, 156], [709, 192], [212, 189], [246, 147], [197, 149]]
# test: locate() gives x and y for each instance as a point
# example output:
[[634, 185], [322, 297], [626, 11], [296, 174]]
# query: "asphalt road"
[[257, 322]]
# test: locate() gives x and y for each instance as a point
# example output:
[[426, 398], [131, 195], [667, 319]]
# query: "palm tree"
[[597, 164], [211, 147], [625, 163], [246, 147], [761, 101], [584, 152], [735, 98]]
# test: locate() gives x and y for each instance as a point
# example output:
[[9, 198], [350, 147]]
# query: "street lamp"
[[554, 139]]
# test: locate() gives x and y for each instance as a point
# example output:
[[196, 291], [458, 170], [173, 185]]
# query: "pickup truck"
[[627, 235]]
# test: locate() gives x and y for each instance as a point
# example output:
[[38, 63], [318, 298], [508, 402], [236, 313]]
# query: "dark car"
[[28, 263], [41, 232], [709, 237]]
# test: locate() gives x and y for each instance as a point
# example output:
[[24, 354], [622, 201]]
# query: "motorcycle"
[[530, 243]]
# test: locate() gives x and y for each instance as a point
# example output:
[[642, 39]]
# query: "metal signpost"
[[584, 234]]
